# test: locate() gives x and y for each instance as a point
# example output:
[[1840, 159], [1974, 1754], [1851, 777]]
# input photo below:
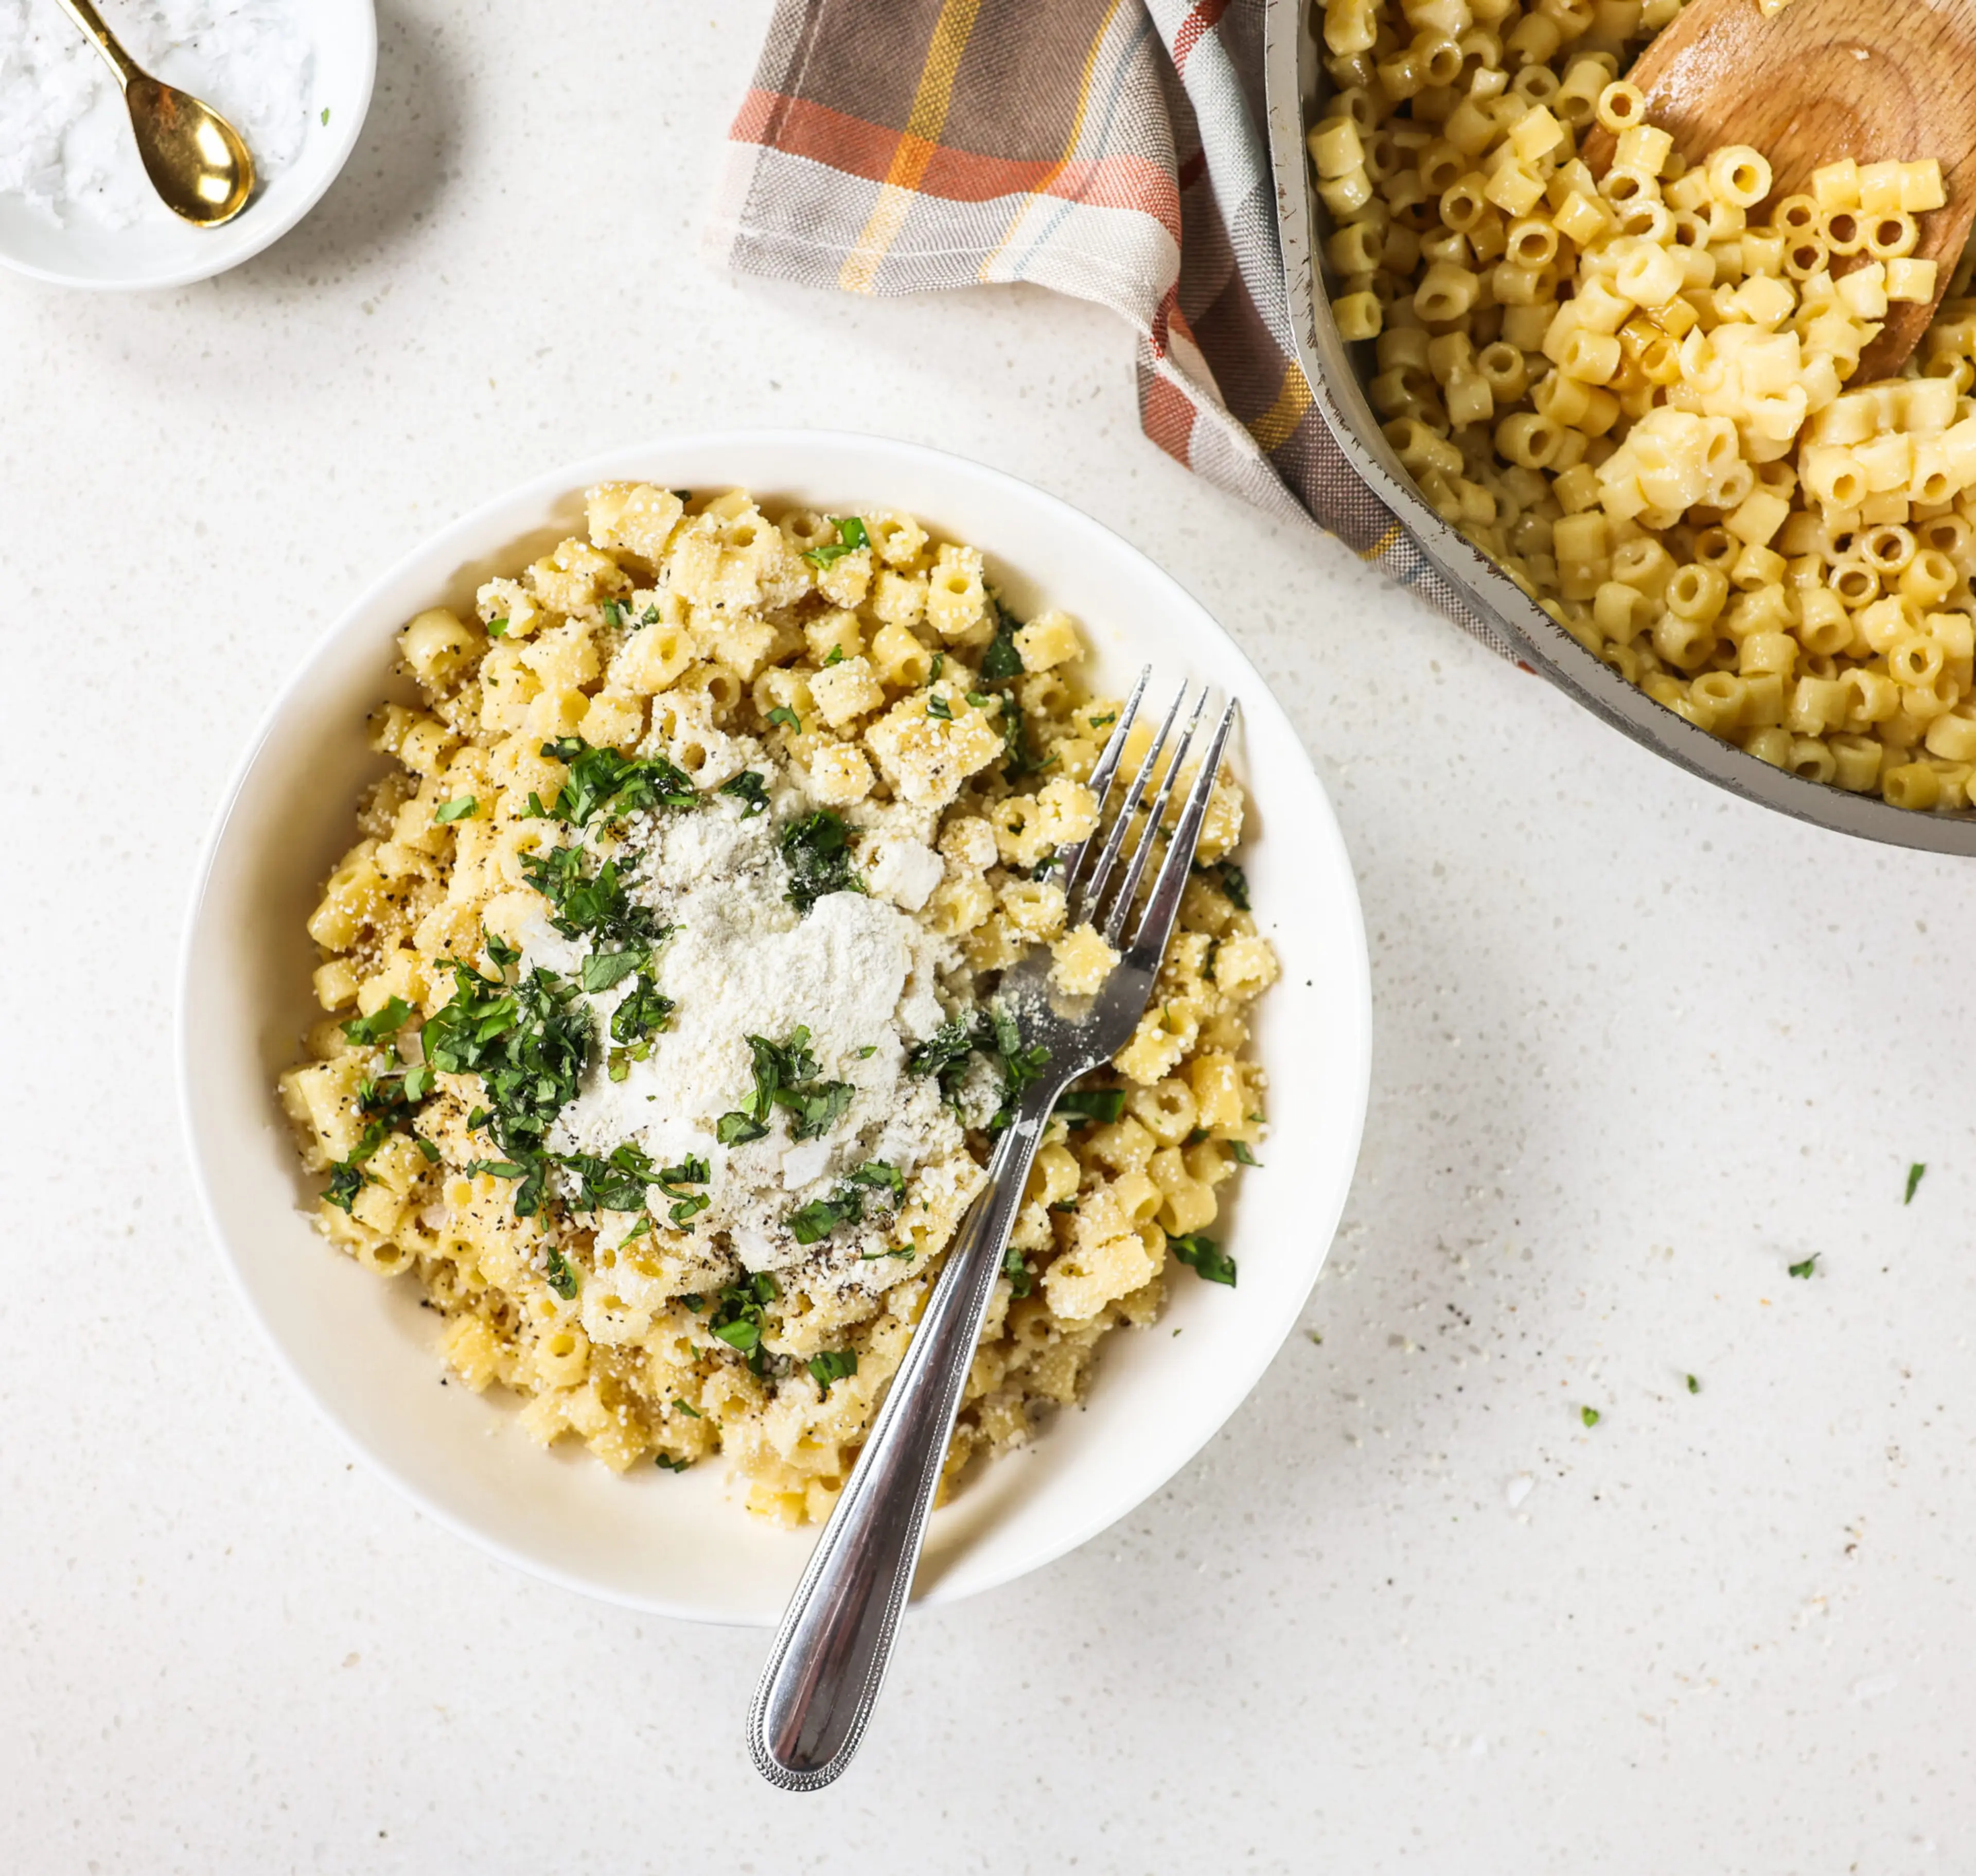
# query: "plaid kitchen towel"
[[1109, 148]]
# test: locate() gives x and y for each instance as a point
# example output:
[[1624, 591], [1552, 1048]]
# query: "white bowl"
[[159, 249], [683, 1544]]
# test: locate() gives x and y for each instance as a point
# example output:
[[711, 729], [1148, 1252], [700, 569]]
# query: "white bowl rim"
[[1354, 995], [364, 24]]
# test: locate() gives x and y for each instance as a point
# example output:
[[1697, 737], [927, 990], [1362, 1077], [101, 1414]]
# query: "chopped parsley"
[[1233, 882], [457, 808], [1241, 1149], [527, 1043], [382, 1022], [691, 1412], [786, 1077], [1002, 661], [497, 629], [596, 905], [1207, 1257], [936, 706], [612, 1183], [846, 1205], [1590, 1415], [834, 1364], [1098, 723], [939, 665], [562, 1275], [836, 656], [851, 537], [643, 1014], [666, 1462], [602, 782], [739, 1320], [1806, 1268], [749, 787], [1914, 1179], [946, 1055], [672, 1181], [1016, 1267], [782, 713], [817, 850], [614, 614], [900, 1252], [604, 971], [1102, 1104], [979, 699]]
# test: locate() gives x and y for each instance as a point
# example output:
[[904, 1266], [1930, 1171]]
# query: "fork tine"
[[1149, 944], [1121, 906], [1091, 901], [1072, 856]]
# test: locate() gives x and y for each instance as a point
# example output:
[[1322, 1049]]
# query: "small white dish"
[[158, 249], [366, 1353]]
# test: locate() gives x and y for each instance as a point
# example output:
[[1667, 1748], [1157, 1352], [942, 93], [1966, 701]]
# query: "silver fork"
[[823, 1674]]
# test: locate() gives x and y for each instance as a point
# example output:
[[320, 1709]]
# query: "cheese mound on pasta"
[[661, 1051]]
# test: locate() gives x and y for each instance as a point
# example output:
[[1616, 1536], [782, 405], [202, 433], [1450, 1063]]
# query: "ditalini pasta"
[[1638, 391], [658, 1049]]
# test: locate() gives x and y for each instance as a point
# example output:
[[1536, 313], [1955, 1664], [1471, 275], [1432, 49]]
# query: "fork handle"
[[830, 1655]]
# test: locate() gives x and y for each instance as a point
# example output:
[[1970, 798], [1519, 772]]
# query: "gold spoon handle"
[[99, 35]]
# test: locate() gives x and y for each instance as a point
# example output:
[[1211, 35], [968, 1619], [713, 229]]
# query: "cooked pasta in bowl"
[[648, 847], [1648, 391]]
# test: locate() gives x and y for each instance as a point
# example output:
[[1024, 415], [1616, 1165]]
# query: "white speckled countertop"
[[1639, 1048]]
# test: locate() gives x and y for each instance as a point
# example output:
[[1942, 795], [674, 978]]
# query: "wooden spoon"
[[1823, 80]]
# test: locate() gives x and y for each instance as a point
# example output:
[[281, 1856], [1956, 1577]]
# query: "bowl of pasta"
[[1625, 405], [586, 1003]]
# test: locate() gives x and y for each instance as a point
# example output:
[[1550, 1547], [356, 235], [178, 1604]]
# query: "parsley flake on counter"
[[833, 1364], [851, 537], [1806, 1268], [457, 808], [1914, 1179], [748, 786], [817, 851], [1694, 1386], [1206, 1256], [1590, 1415]]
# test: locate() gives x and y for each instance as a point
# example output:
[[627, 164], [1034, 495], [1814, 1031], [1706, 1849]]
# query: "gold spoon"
[[194, 157]]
